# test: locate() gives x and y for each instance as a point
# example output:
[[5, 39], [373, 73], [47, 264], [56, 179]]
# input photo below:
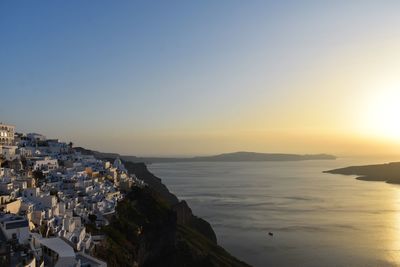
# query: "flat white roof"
[[58, 245]]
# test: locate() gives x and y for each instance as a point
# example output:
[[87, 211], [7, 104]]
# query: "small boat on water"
[[270, 234]]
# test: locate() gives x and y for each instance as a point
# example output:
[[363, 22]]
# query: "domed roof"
[[119, 165], [117, 162]]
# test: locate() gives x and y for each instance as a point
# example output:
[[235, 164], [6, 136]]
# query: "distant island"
[[232, 157], [389, 172]]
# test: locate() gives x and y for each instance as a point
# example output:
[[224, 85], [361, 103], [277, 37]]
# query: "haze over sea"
[[317, 219]]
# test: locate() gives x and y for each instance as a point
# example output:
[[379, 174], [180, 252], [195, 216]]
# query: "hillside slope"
[[152, 227]]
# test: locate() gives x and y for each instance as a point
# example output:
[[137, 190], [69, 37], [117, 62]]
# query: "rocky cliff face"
[[141, 171], [182, 209], [152, 227], [145, 232], [186, 217]]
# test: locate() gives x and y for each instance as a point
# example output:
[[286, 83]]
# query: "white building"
[[56, 147], [46, 164], [26, 152], [75, 232], [7, 134], [14, 227], [36, 137], [42, 200], [55, 251], [8, 151]]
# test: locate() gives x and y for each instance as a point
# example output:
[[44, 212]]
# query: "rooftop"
[[58, 245]]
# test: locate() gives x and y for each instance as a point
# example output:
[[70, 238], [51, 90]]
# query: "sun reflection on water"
[[393, 229]]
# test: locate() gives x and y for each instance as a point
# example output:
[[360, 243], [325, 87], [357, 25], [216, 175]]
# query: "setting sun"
[[382, 113]]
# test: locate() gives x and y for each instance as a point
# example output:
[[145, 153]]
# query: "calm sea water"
[[317, 219]]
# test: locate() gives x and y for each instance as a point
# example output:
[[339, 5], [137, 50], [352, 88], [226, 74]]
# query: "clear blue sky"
[[176, 77]]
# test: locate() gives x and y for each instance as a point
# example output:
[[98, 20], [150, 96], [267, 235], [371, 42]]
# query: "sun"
[[382, 114]]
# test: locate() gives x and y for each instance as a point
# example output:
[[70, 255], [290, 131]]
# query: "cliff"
[[183, 211], [152, 227], [145, 232], [141, 171]]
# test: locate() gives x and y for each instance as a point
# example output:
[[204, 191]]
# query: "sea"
[[316, 219]]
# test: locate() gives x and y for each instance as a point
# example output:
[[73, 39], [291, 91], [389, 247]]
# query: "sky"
[[204, 77]]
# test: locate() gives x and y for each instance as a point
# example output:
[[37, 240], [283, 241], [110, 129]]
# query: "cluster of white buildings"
[[49, 196]]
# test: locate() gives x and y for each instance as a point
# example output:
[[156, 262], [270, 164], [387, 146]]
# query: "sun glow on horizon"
[[381, 114]]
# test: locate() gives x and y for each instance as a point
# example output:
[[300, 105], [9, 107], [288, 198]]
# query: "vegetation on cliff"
[[145, 232]]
